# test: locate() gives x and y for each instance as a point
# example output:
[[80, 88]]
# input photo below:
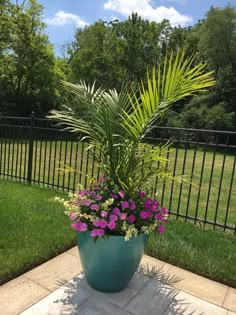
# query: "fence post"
[[31, 146]]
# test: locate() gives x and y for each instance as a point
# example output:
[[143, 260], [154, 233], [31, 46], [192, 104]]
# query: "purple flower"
[[148, 204], [87, 202], [103, 223], [81, 227], [94, 207], [161, 229], [131, 218], [159, 217], [113, 217], [132, 206], [98, 197], [124, 204], [116, 211], [122, 194], [104, 214], [143, 215], [141, 194], [96, 223], [123, 216], [111, 225]]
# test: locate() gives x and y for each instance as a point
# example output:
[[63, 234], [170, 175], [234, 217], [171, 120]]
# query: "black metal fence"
[[35, 150]]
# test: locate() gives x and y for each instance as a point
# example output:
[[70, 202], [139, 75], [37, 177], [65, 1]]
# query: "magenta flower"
[[81, 227], [96, 223], [131, 218], [104, 214], [141, 194], [161, 229], [132, 206], [155, 205], [124, 204], [111, 225], [116, 211], [113, 217], [94, 207], [87, 202], [159, 217], [123, 216], [143, 215], [103, 223], [148, 204], [122, 194], [73, 225]]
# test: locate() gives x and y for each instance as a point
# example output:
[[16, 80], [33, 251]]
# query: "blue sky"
[[63, 17]]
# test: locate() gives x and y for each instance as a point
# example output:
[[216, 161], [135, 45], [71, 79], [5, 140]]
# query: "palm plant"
[[118, 123]]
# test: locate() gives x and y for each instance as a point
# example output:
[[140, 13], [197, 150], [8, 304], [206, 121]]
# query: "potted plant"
[[115, 214]]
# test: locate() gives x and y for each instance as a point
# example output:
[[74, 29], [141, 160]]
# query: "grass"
[[209, 253], [34, 229], [198, 200]]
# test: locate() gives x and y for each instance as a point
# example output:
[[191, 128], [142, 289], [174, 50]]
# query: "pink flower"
[[124, 204], [87, 202], [98, 197], [97, 232], [113, 217], [122, 194], [103, 223], [132, 206], [159, 217], [116, 211], [111, 225], [141, 194], [131, 218], [104, 214], [72, 216], [164, 210], [73, 225], [81, 227], [161, 229], [94, 207], [123, 216], [143, 215]]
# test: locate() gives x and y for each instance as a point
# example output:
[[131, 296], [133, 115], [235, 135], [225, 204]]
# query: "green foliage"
[[118, 123]]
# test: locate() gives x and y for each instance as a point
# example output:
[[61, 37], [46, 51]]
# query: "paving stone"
[[153, 299], [198, 286], [53, 273], [62, 301], [73, 251], [138, 281], [186, 304], [230, 300], [98, 306], [118, 298], [231, 313], [19, 294]]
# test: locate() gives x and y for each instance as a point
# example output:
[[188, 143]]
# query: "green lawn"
[[33, 229], [48, 156]]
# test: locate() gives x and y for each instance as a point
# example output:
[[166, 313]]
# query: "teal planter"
[[109, 264]]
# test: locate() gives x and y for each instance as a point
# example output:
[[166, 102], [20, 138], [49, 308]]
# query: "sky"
[[63, 17]]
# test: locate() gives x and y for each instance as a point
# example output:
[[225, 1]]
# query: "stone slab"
[[198, 286], [73, 251], [186, 304], [19, 294], [153, 299], [56, 271], [230, 300], [98, 306], [64, 300]]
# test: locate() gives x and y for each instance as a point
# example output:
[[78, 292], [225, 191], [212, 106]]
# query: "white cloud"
[[62, 18], [145, 10]]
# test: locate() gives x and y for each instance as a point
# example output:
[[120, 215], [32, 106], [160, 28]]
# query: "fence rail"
[[34, 149]]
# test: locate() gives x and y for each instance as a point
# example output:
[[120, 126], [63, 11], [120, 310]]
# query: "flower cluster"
[[104, 209]]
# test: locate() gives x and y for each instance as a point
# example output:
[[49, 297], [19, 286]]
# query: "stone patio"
[[59, 287]]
